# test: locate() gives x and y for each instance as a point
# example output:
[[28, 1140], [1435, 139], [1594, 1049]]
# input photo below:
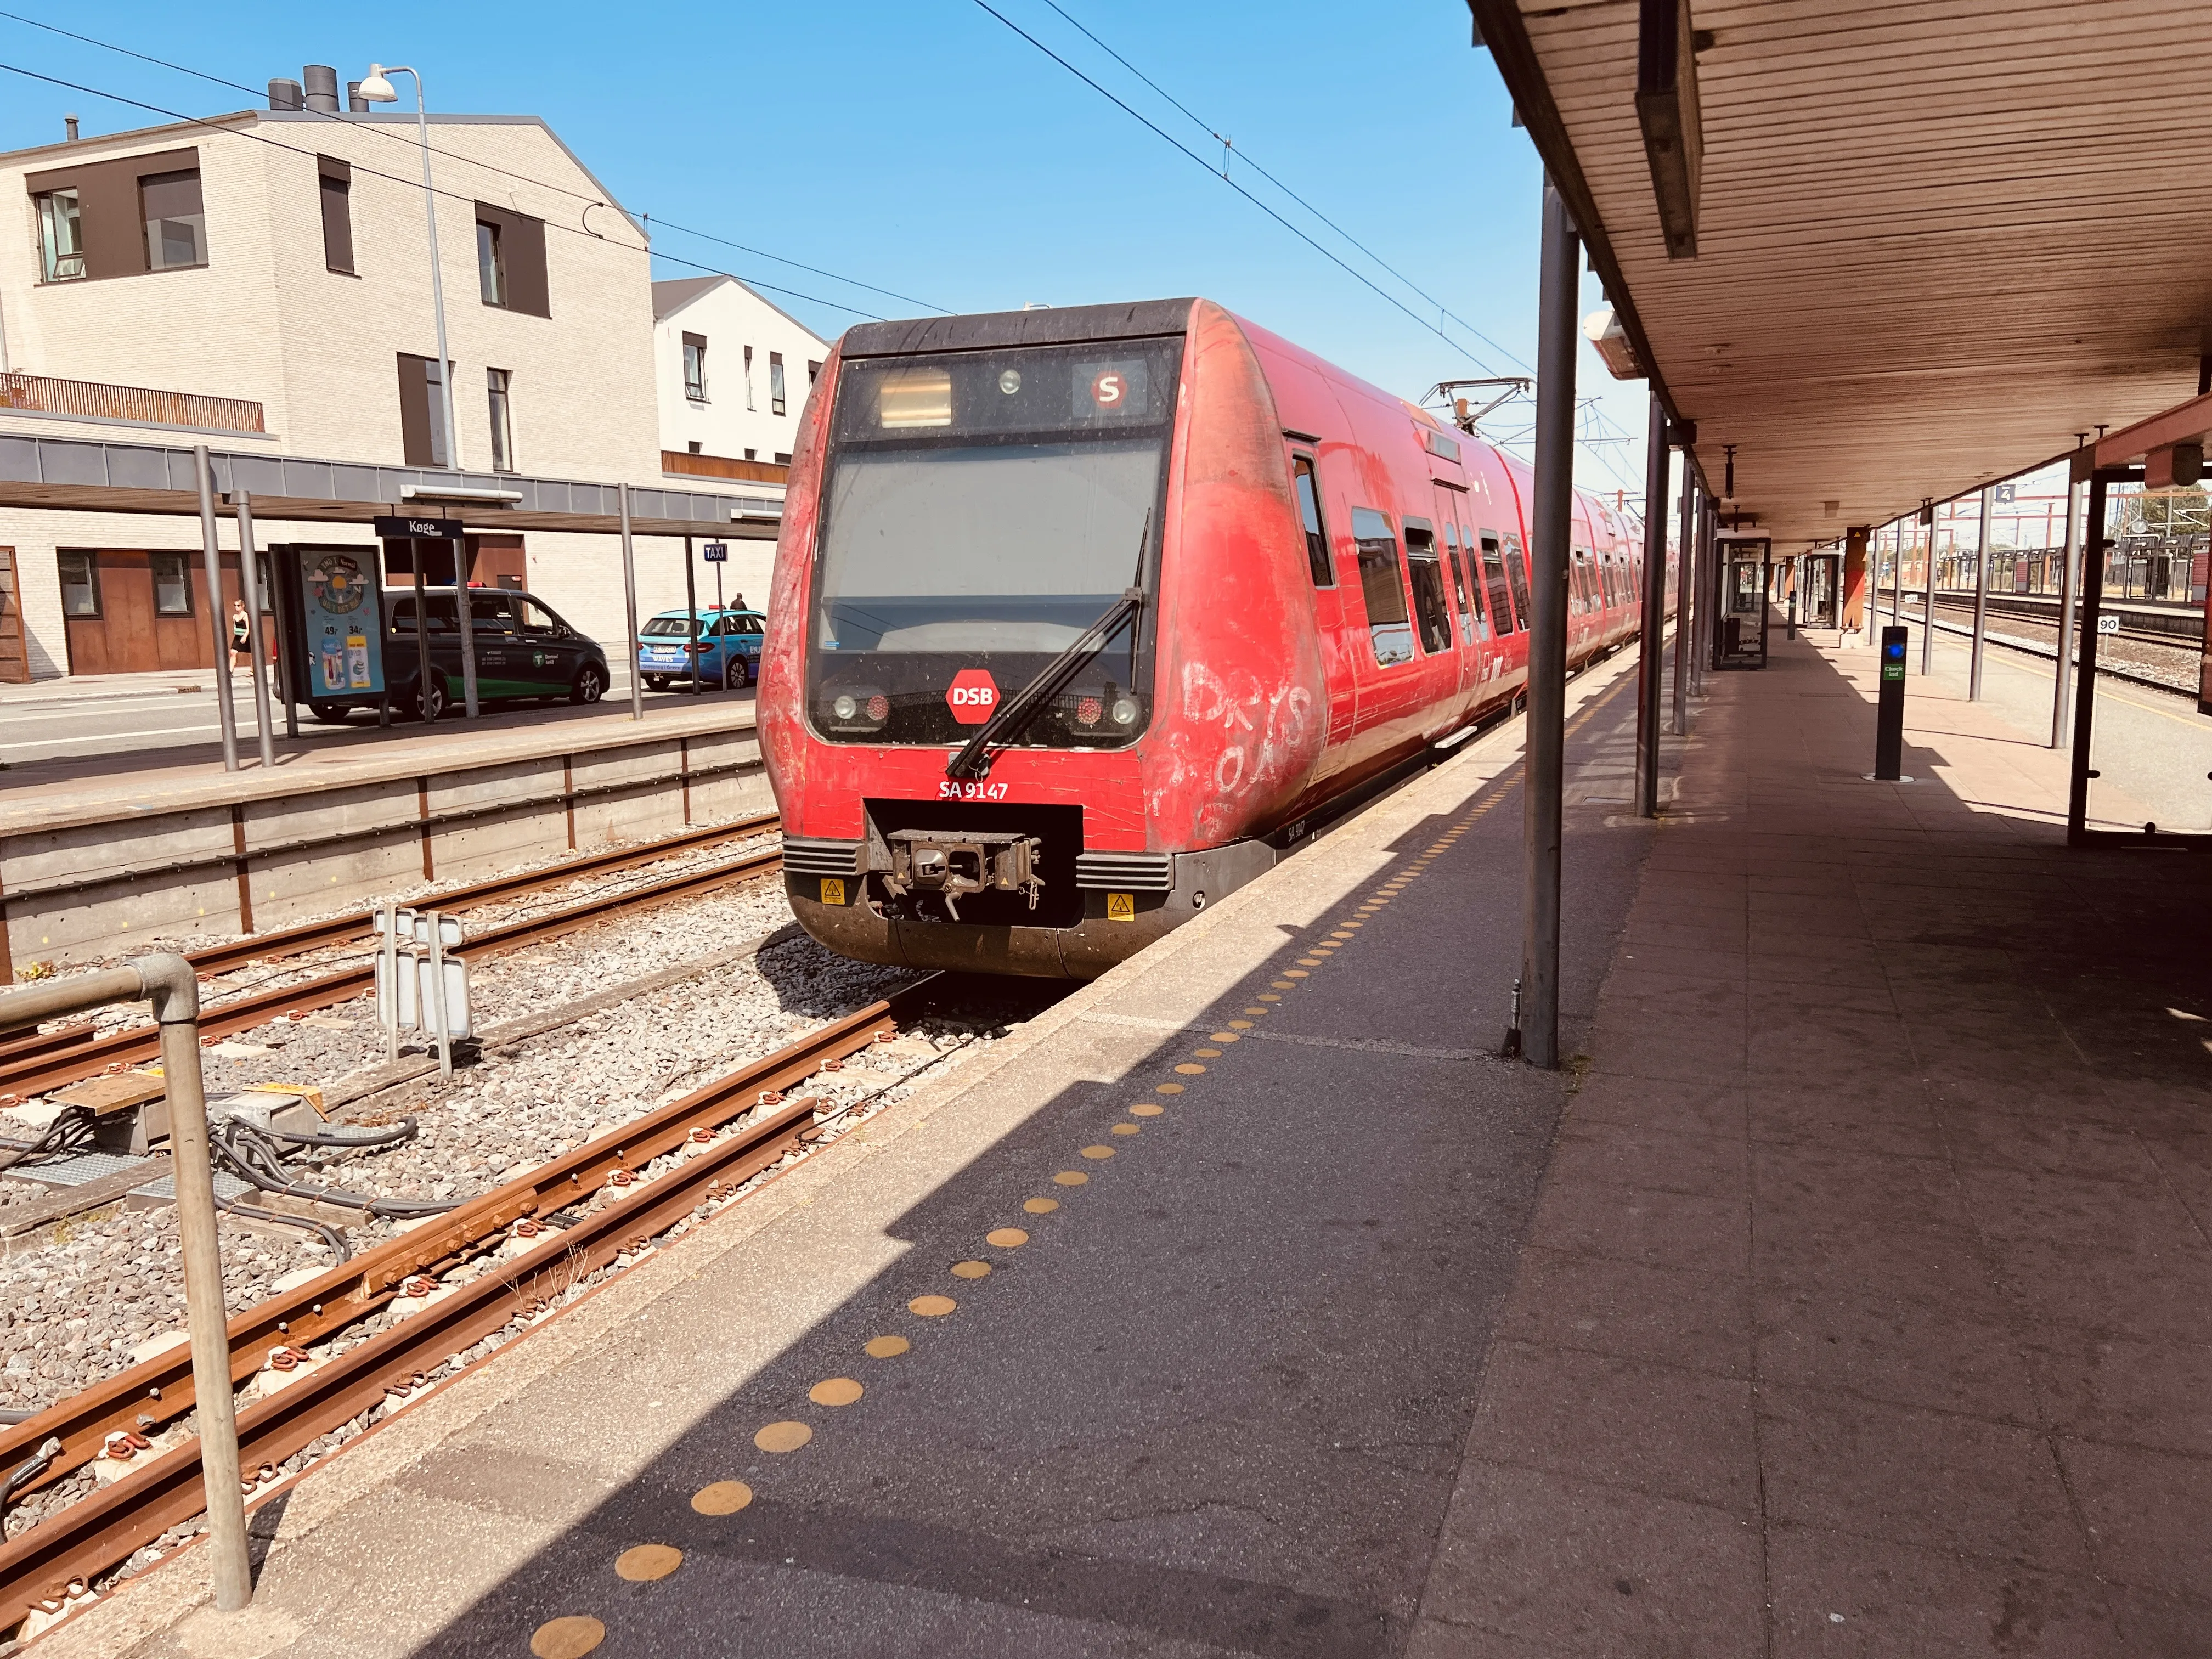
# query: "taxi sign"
[[1121, 907], [973, 696], [833, 889]]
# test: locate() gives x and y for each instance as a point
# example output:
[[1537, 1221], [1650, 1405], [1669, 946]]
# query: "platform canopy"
[[1933, 242], [89, 476]]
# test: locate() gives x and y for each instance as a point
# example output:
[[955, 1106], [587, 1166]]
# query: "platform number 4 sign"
[[1121, 907]]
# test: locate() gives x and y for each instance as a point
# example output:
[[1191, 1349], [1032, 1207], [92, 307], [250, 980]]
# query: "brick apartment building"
[[259, 281]]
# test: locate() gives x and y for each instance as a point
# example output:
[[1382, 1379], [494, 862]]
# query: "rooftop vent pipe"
[[322, 83], [284, 94], [355, 104], [68, 125]]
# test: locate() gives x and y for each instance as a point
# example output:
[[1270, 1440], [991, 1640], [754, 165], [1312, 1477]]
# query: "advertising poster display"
[[343, 636]]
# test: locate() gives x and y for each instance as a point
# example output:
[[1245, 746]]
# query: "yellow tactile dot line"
[[932, 1307], [723, 1497], [1071, 1177], [1145, 1109], [567, 1639], [1040, 1205], [886, 1347], [836, 1391], [1168, 1088], [1099, 1152], [1190, 1068], [1125, 1129], [976, 1269], [1006, 1238], [1224, 1037], [786, 1436], [1211, 1054]]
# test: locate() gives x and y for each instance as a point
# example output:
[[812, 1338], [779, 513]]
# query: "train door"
[[1506, 586], [1432, 611], [1467, 609], [1329, 619], [1388, 673]]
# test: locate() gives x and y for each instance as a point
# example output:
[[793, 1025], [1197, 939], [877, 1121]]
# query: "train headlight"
[[845, 708], [1125, 711], [1009, 381]]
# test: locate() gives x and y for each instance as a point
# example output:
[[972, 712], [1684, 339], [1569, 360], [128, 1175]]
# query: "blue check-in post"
[[1889, 710]]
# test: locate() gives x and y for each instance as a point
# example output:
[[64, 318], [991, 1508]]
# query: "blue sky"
[[928, 149]]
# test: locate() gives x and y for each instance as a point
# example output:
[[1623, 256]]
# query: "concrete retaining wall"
[[98, 886]]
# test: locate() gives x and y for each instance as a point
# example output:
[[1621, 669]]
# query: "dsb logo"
[[972, 695]]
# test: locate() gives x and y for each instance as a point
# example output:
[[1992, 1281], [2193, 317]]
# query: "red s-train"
[[1081, 616]]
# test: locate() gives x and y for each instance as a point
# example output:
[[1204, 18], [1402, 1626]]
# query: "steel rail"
[[360, 924], [106, 1527], [139, 1043]]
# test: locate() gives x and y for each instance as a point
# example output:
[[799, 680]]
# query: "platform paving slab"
[[1956, 1260]]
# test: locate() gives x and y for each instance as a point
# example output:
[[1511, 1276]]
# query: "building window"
[[421, 411], [782, 459], [337, 182], [752, 454], [176, 223], [502, 428], [80, 585], [813, 373], [695, 447], [748, 381], [695, 367], [775, 383], [491, 267], [173, 584], [61, 236]]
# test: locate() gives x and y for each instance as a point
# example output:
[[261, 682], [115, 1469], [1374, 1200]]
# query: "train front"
[[986, 542]]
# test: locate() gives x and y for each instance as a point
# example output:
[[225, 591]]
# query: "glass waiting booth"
[[1820, 591], [1747, 578]]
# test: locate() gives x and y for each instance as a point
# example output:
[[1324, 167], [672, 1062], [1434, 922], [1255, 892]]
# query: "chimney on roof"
[[284, 94], [68, 125], [355, 104], [322, 81]]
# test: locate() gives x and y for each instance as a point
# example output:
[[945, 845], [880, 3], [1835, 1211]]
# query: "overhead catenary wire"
[[1329, 254], [411, 184], [412, 142], [1228, 148]]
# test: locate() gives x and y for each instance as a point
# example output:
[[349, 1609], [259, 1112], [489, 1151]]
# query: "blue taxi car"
[[729, 648]]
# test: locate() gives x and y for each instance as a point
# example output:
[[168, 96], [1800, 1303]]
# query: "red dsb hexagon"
[[973, 696]]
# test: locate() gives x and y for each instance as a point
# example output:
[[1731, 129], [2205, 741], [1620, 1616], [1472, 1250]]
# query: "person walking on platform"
[[242, 636]]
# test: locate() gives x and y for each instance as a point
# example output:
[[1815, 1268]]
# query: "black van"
[[523, 650]]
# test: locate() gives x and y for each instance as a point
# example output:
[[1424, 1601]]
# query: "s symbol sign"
[[973, 696], [1110, 389]]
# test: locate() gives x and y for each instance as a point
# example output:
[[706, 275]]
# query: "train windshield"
[[979, 512]]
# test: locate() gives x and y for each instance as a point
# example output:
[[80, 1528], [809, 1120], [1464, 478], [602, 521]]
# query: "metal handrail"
[[42, 394], [167, 981]]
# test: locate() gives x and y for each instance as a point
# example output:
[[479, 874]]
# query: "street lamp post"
[[378, 89]]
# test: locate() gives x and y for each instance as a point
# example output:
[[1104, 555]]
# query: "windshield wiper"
[[1015, 714]]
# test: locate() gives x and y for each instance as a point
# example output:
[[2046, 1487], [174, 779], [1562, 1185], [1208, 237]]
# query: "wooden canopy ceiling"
[[1935, 240]]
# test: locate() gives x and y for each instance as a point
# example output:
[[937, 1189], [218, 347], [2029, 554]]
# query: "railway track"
[[34, 1064], [2049, 654], [581, 1234]]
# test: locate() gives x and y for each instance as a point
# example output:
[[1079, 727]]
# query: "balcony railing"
[[43, 395]]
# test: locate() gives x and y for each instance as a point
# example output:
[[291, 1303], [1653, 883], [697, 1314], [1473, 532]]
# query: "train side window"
[[1383, 585], [1459, 580], [1471, 563], [1428, 573], [1517, 571], [1579, 590], [1494, 582], [1309, 486]]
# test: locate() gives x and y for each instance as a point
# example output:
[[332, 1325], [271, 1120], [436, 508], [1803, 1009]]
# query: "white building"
[[734, 371], [261, 283]]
